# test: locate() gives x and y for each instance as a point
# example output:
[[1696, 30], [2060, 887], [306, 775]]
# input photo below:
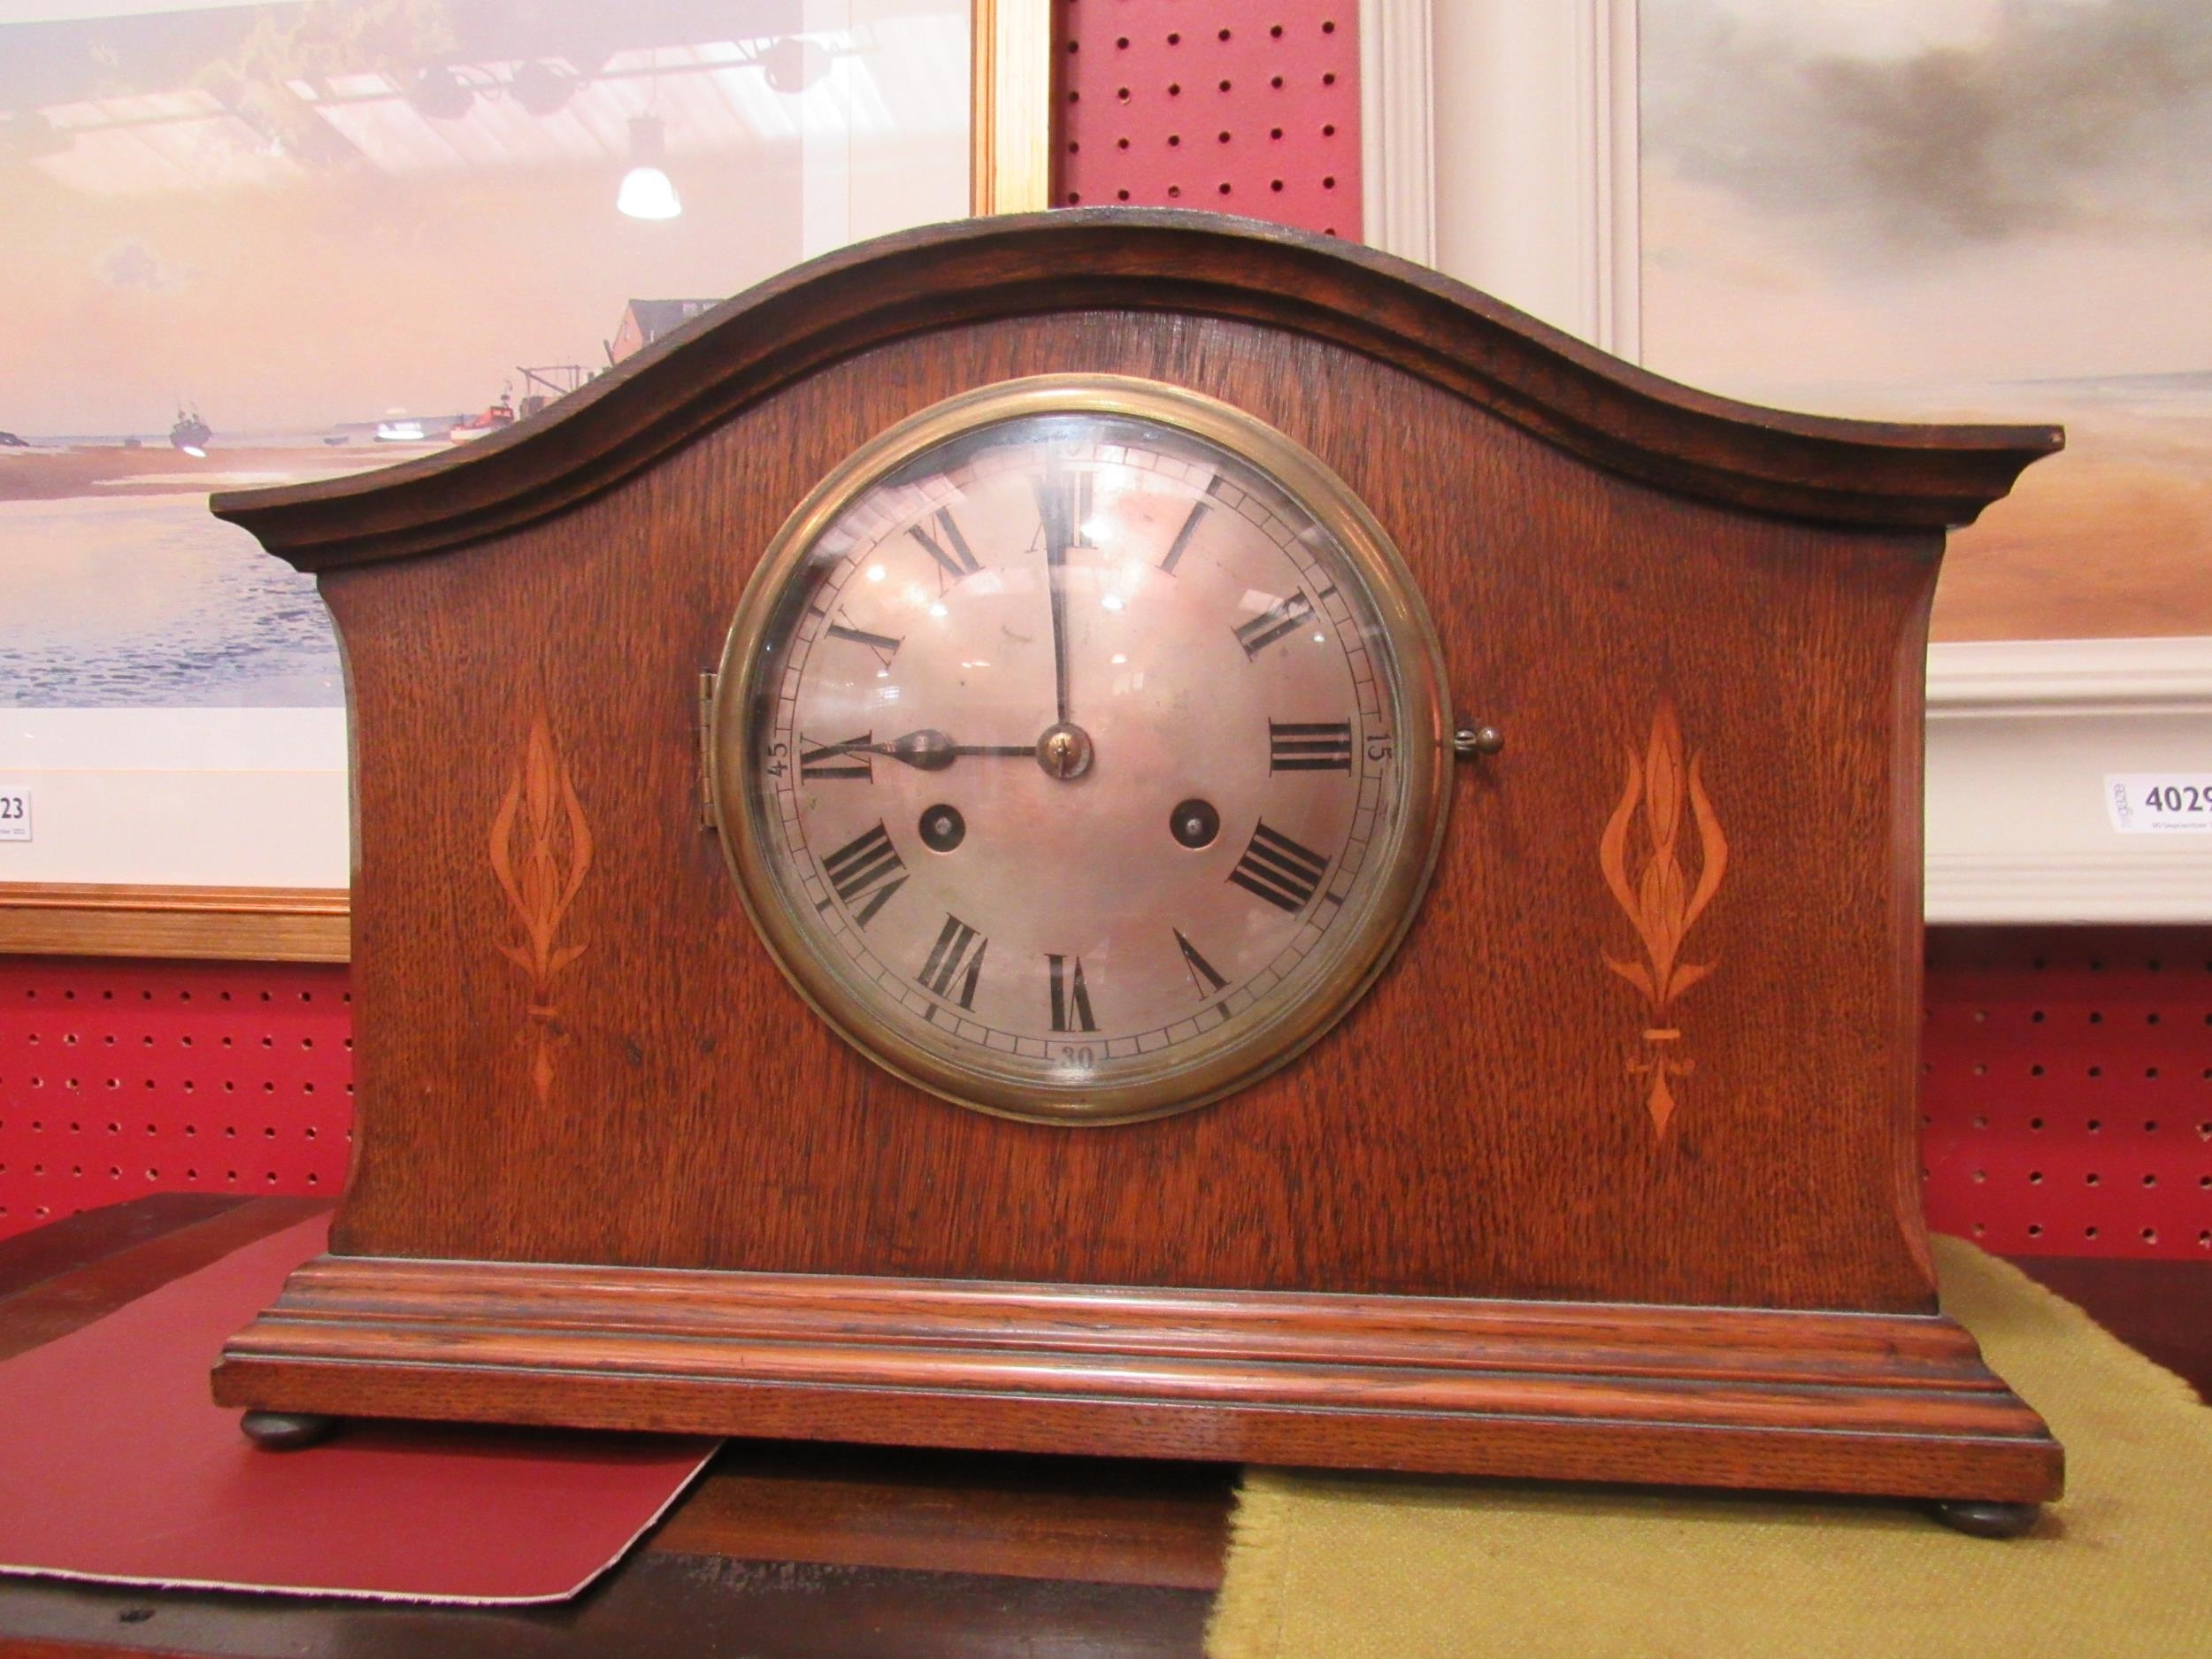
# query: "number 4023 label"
[[15, 813], [2159, 803]]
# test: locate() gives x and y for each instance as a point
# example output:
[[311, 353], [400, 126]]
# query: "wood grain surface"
[[657, 1605], [1472, 1128], [1091, 1520], [170, 1238], [69, 1242], [1596, 547]]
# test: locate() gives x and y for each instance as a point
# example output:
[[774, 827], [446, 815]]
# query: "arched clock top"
[[1612, 415]]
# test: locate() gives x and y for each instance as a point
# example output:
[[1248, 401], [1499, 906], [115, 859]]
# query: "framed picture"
[[1959, 213], [1956, 212], [253, 243], [1983, 212]]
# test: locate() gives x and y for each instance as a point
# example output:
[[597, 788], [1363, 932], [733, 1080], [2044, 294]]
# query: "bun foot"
[[286, 1431], [1978, 1518]]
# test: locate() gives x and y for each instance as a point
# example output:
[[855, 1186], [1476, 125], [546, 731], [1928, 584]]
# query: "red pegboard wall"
[[2066, 1099], [1234, 106], [120, 1078]]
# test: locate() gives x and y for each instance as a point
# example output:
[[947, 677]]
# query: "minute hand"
[[1054, 508]]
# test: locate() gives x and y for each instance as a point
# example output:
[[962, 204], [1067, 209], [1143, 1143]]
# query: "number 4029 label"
[[2159, 803], [15, 813]]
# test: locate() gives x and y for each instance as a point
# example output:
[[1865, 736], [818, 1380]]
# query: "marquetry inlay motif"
[[541, 851], [1663, 856]]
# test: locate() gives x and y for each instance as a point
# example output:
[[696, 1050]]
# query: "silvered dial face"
[[1082, 760]]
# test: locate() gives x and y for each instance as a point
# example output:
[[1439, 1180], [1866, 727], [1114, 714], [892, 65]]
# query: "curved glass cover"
[[1080, 740]]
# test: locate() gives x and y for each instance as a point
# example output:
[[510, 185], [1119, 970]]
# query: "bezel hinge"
[[709, 818]]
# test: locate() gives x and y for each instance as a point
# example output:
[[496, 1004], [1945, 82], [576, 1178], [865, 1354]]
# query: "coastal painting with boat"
[[253, 244], [123, 591], [1960, 209]]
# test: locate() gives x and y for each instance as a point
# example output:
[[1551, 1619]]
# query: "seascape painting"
[[148, 601], [1970, 210], [256, 243]]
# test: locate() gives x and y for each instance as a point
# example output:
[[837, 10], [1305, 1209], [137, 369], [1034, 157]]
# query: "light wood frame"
[[1009, 122], [39, 918]]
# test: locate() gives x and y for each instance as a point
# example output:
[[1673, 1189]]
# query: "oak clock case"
[[1079, 748], [1577, 1142]]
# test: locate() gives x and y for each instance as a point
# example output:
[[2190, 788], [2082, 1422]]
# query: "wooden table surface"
[[787, 1551]]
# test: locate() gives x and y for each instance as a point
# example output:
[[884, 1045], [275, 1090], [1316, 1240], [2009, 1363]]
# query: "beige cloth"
[[1375, 1567]]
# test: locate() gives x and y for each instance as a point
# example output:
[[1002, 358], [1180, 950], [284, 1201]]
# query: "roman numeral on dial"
[[1064, 505], [948, 546], [883, 645], [868, 868], [1204, 977], [958, 948], [1181, 544], [1070, 997], [836, 760], [1278, 870], [1308, 747], [1285, 616]]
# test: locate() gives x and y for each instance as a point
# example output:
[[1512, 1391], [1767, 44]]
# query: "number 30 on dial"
[[1079, 748]]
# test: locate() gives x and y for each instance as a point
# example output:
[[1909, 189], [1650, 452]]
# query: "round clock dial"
[[1079, 744]]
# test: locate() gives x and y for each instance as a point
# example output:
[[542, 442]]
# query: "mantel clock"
[[1132, 833]]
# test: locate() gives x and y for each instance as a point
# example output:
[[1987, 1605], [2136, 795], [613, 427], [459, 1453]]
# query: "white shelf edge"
[[2064, 888], [2082, 679], [2021, 734]]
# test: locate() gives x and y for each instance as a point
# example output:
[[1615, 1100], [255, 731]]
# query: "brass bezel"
[[1423, 756]]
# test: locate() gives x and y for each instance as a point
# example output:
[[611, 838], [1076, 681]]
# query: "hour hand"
[[928, 750]]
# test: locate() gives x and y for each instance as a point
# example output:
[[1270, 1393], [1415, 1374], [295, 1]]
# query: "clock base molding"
[[1895, 1405]]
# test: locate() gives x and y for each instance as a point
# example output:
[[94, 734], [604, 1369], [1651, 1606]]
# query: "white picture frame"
[[1524, 182]]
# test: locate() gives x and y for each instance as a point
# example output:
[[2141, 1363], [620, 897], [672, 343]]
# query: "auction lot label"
[[2159, 802]]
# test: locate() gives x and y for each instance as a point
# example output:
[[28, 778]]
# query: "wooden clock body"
[[1611, 1175]]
